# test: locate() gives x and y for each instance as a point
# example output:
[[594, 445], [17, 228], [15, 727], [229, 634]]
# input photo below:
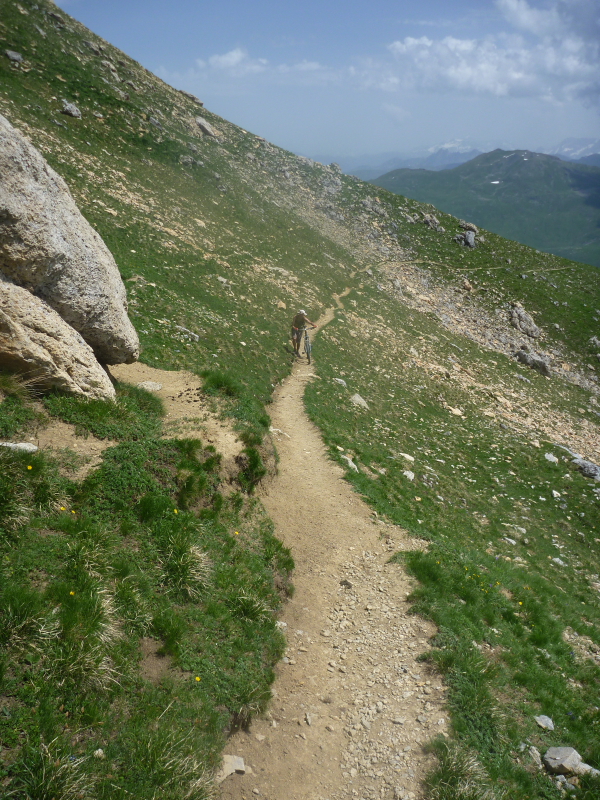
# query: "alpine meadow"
[[454, 381]]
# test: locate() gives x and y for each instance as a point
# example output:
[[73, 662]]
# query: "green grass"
[[135, 415], [137, 550]]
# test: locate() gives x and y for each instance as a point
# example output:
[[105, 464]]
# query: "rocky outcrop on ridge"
[[48, 248], [35, 341]]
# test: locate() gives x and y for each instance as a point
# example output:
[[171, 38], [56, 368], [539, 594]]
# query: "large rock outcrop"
[[47, 247], [37, 342]]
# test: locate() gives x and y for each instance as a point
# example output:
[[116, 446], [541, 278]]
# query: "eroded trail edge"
[[352, 706]]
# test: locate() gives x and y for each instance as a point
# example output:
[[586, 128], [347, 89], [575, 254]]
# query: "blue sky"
[[348, 77]]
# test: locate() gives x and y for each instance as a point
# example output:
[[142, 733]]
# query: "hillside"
[[458, 446], [535, 199]]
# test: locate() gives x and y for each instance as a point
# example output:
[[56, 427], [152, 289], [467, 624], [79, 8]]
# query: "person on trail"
[[298, 324]]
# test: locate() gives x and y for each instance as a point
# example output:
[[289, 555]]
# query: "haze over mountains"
[[536, 199]]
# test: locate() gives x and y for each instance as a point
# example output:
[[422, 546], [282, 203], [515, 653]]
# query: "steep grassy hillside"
[[214, 235], [536, 199]]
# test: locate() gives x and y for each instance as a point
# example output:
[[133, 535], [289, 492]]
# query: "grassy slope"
[[541, 201], [174, 228]]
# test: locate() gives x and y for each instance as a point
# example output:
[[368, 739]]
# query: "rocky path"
[[352, 706]]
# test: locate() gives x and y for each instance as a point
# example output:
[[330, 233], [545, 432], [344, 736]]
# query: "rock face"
[[48, 247], [36, 341]]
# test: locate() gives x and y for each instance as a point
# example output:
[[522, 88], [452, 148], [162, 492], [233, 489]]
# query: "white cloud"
[[555, 55], [237, 62]]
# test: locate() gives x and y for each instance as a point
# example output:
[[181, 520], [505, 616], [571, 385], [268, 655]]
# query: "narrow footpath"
[[352, 706]]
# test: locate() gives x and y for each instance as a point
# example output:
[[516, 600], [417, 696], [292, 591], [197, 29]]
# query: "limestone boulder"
[[35, 341], [47, 247]]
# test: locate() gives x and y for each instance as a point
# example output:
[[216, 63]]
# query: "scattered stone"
[[48, 247], [545, 722], [71, 110], [150, 386], [350, 463], [13, 56], [205, 126], [22, 447], [345, 584], [281, 304], [551, 457], [536, 756], [561, 760], [409, 475], [522, 321], [91, 46], [468, 226], [359, 401], [99, 754], [230, 765], [559, 561], [187, 332], [533, 361], [407, 457], [156, 123], [342, 382], [587, 468], [191, 97], [467, 286]]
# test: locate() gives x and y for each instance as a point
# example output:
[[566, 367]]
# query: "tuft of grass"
[[50, 771], [136, 414]]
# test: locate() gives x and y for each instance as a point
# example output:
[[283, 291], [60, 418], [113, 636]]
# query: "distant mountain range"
[[448, 155], [533, 198]]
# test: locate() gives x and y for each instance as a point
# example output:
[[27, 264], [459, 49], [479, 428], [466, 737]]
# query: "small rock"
[[407, 457], [230, 765], [99, 753], [545, 722], [13, 56], [522, 321], [350, 463], [359, 401], [535, 756], [561, 760], [205, 126], [587, 468], [22, 447], [409, 475], [551, 457], [559, 561], [150, 386], [71, 110], [342, 382]]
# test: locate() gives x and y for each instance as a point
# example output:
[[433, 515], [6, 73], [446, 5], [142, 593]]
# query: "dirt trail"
[[351, 706]]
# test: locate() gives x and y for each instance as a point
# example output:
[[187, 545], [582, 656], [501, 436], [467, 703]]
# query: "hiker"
[[298, 324]]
